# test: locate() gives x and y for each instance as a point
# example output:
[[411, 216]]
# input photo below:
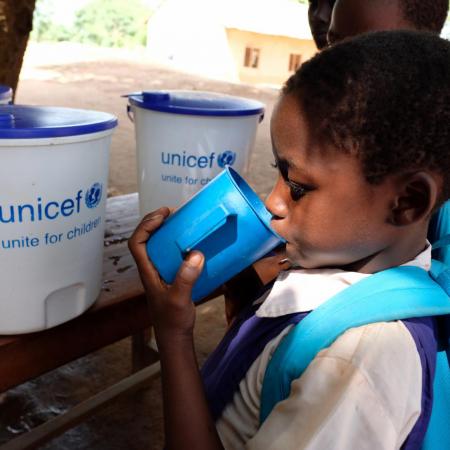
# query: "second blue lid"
[[196, 103]]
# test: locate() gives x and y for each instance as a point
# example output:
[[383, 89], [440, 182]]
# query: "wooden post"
[[16, 23], [144, 351]]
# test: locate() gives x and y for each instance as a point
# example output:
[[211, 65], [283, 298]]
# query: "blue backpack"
[[417, 294]]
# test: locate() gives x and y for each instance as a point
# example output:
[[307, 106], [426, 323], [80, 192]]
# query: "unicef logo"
[[93, 195], [226, 158]]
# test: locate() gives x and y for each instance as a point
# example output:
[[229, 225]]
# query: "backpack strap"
[[444, 241], [437, 436], [441, 274], [439, 233], [370, 300], [438, 432]]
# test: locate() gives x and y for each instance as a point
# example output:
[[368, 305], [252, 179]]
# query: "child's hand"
[[171, 308]]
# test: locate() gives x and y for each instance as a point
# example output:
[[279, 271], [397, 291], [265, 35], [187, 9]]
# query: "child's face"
[[319, 16], [322, 204], [354, 17]]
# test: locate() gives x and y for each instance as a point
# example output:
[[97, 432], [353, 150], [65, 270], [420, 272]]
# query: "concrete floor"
[[95, 79]]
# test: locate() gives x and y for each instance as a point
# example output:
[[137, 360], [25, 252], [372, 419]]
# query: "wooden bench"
[[119, 312]]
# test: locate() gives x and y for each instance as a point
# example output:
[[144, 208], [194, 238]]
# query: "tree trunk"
[[16, 22]]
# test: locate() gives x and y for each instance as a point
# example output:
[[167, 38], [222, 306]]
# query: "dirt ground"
[[81, 77]]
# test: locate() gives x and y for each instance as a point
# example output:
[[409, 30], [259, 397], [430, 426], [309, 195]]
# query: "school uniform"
[[371, 389]]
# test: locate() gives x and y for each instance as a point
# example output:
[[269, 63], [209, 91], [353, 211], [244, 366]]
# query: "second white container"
[[185, 138]]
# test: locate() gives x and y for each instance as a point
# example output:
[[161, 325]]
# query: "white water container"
[[6, 95], [53, 187], [185, 138]]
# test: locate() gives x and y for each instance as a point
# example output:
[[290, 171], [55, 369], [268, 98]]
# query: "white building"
[[256, 41]]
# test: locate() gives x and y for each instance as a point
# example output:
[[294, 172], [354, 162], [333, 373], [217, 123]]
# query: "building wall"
[[273, 64]]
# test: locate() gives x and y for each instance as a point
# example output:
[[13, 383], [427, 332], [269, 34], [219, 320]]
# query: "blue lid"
[[5, 92], [26, 122], [196, 103]]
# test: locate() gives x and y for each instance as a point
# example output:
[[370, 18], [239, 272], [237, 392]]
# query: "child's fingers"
[[137, 246], [149, 275], [149, 224], [187, 275], [137, 242], [164, 210], [147, 227]]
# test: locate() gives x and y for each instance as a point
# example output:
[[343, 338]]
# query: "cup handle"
[[202, 228]]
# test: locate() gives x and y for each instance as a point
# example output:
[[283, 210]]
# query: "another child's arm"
[[187, 420], [244, 287]]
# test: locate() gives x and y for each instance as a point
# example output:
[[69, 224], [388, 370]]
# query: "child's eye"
[[297, 190]]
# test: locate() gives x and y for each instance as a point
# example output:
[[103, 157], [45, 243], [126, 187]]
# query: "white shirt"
[[354, 394]]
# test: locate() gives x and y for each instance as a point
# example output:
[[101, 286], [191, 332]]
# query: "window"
[[295, 60], [251, 57]]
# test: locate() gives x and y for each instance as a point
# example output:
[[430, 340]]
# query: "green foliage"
[[107, 23], [112, 23], [43, 26]]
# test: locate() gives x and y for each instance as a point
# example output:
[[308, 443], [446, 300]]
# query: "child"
[[355, 17], [360, 137], [349, 18], [319, 16]]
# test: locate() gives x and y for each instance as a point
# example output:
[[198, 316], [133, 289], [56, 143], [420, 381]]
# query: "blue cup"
[[226, 221]]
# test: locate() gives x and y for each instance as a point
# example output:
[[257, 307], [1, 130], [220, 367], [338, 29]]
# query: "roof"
[[272, 17]]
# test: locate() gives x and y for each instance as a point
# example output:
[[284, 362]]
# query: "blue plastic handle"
[[202, 228]]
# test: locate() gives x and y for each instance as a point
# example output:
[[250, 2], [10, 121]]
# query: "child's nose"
[[275, 202], [323, 11]]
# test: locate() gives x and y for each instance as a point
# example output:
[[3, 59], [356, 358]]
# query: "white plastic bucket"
[[6, 95], [185, 138], [53, 187]]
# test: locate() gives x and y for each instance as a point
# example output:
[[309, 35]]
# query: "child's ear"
[[415, 199]]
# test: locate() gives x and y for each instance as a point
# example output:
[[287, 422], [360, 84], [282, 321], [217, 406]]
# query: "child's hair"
[[384, 97], [425, 15]]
